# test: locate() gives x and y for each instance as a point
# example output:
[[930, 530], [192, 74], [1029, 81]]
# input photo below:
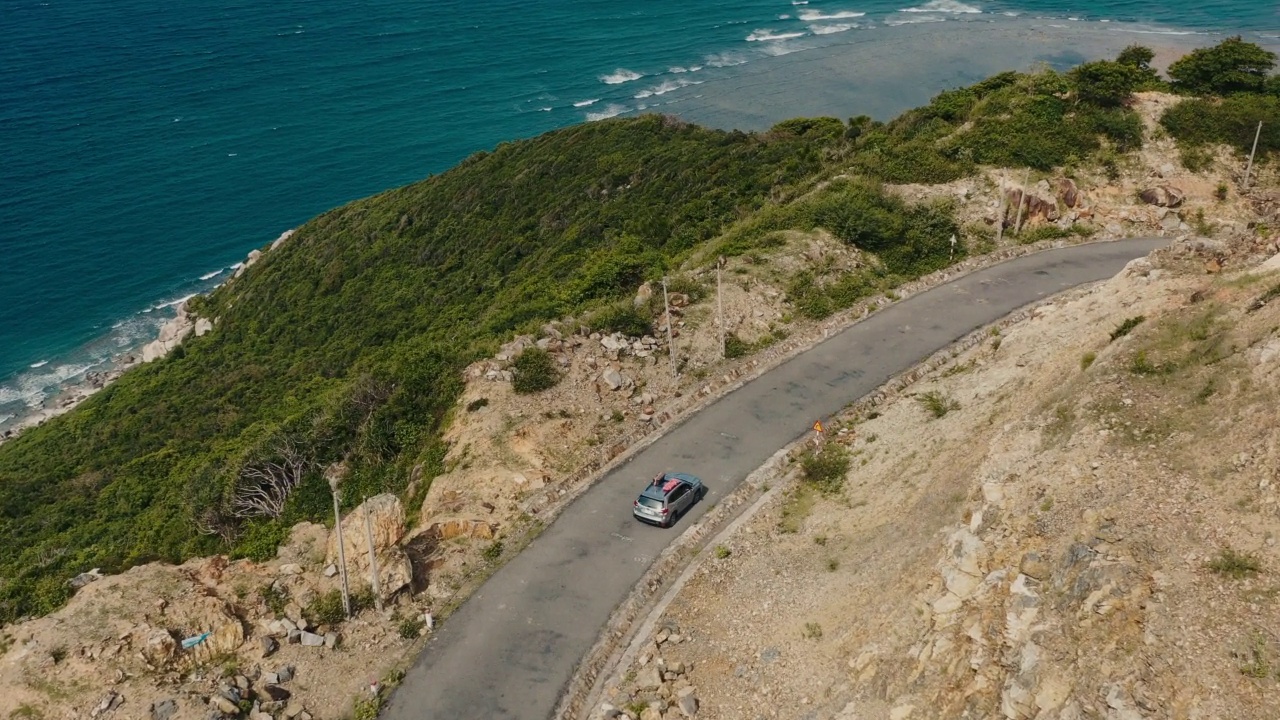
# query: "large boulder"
[[1163, 196], [395, 571], [1033, 208], [1068, 193], [387, 516]]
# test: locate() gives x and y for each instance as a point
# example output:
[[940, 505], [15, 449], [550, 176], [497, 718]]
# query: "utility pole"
[[334, 476], [1249, 170], [1022, 201], [720, 305], [1000, 214], [666, 304], [373, 557]]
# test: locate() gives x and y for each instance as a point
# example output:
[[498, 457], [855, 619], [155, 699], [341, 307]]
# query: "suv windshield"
[[651, 502]]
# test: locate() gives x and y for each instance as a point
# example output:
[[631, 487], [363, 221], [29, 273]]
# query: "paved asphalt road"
[[510, 650]]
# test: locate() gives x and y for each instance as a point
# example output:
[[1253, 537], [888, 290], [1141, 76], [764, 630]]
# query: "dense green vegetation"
[[1237, 92], [347, 343], [1040, 120]]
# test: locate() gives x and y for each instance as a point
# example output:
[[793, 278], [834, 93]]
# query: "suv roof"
[[670, 482]]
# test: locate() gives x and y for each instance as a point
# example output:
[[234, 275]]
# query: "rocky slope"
[[1087, 529]]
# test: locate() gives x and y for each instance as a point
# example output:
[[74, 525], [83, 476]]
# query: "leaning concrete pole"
[[373, 557], [342, 554], [720, 304], [1022, 201], [1249, 170], [671, 343], [1000, 214]]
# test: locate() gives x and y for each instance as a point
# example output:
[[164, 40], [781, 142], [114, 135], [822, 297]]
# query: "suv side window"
[[677, 494]]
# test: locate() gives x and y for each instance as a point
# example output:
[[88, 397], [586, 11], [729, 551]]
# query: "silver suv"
[[667, 497]]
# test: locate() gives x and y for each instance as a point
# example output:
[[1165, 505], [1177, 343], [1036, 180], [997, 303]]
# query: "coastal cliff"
[[477, 344]]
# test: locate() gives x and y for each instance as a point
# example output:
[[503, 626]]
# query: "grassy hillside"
[[348, 341]]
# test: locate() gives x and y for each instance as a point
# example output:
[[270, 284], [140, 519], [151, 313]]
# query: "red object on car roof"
[[670, 485]]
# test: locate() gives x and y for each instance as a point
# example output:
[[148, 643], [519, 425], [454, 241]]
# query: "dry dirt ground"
[[515, 460], [1088, 531]]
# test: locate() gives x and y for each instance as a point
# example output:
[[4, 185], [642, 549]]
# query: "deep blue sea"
[[146, 146]]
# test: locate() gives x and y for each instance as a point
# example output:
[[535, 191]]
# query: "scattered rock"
[[1034, 566], [649, 679], [612, 378], [224, 706], [107, 704], [1162, 196], [85, 578], [276, 693], [164, 709], [309, 639]]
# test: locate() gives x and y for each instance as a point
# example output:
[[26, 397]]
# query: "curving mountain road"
[[510, 649]]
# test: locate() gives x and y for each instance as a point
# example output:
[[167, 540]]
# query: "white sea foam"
[[170, 303], [723, 60], [544, 109], [212, 275], [4, 418], [32, 388], [832, 29], [619, 76], [666, 87], [811, 15], [943, 6], [1156, 31], [799, 2], [914, 20], [585, 103], [40, 364], [768, 35], [610, 110]]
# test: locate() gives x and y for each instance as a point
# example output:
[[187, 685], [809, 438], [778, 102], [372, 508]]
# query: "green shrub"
[[624, 317], [326, 609], [274, 598], [534, 371], [1231, 66], [1086, 360], [937, 403], [734, 347], [1230, 121], [411, 627], [493, 552], [722, 552], [1127, 327], [825, 470], [1236, 565], [1105, 83]]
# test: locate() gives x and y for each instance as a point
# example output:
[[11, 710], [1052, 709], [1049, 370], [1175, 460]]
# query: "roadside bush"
[[534, 371], [937, 403], [1231, 121], [825, 470], [411, 627], [624, 317], [326, 609]]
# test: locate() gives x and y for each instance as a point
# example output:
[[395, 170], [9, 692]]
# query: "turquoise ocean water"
[[146, 146]]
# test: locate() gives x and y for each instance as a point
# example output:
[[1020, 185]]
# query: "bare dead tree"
[[264, 486]]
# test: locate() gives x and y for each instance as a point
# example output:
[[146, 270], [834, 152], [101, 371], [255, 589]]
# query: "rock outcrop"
[[171, 336], [1162, 196], [386, 514]]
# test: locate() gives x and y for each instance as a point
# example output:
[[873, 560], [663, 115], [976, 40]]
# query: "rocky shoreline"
[[171, 335]]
